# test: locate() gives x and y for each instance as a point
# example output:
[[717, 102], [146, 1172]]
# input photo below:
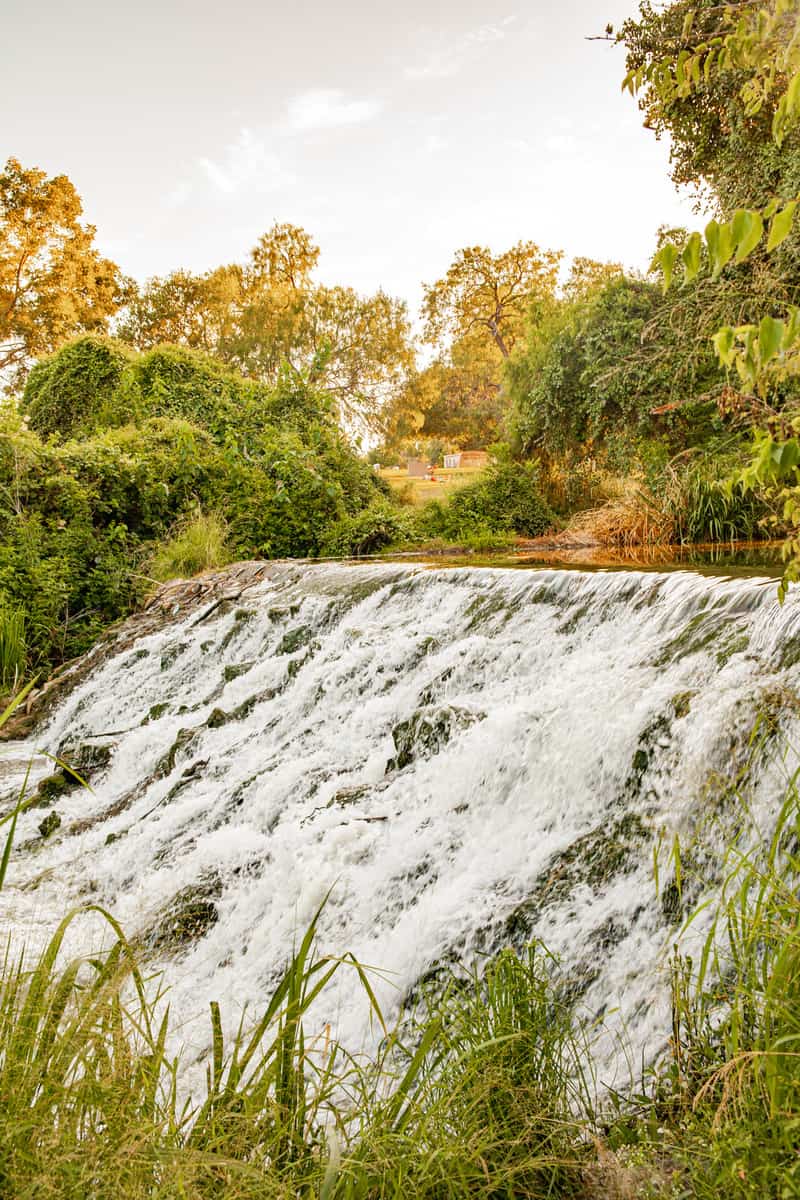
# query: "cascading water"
[[463, 758]]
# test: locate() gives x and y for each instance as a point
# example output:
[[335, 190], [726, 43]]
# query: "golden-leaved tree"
[[54, 284], [474, 316]]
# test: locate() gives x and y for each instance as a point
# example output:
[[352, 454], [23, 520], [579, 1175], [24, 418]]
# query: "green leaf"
[[786, 456], [666, 258], [724, 248], [725, 345], [793, 95], [781, 225], [770, 339], [691, 257], [751, 227], [712, 240]]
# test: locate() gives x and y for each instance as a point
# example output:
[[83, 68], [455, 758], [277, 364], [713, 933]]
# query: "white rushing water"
[[464, 758]]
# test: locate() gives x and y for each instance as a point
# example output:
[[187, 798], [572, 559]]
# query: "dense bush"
[[370, 530], [82, 514], [506, 498], [80, 389], [597, 367]]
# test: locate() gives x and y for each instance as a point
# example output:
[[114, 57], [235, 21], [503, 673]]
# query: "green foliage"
[[706, 506], [599, 366], [198, 544], [505, 499], [176, 382], [13, 644], [728, 1101], [80, 518], [698, 92], [76, 391], [369, 531]]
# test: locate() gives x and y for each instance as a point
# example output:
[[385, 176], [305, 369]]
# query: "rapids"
[[463, 758]]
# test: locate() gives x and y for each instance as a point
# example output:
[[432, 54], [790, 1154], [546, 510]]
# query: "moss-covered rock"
[[188, 916], [50, 824], [295, 639], [594, 860], [425, 732]]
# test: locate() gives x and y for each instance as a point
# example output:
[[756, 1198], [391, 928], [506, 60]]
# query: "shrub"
[[705, 506], [506, 498], [369, 531], [78, 390]]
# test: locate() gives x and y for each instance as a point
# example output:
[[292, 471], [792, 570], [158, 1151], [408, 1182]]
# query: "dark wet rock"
[[166, 764], [283, 614], [85, 759], [51, 787], [682, 704], [50, 824], [172, 654], [234, 670], [655, 737], [295, 639], [188, 916], [606, 853], [423, 734], [156, 711]]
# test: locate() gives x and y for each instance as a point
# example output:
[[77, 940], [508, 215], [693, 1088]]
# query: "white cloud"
[[247, 163], [433, 143], [561, 143], [327, 108], [447, 60], [177, 196]]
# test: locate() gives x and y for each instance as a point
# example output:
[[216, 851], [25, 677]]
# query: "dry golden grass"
[[631, 518]]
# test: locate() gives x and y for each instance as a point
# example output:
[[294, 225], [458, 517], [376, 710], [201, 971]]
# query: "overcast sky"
[[394, 133]]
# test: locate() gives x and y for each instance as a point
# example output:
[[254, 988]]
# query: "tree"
[[720, 128], [189, 310], [53, 282], [755, 50], [269, 311], [455, 400], [488, 293]]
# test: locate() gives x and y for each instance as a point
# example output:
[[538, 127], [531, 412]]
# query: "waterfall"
[[459, 759]]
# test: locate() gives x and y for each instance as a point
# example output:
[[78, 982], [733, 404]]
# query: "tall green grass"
[[13, 644], [198, 544]]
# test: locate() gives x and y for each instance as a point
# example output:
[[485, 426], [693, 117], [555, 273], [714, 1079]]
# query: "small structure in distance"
[[470, 460]]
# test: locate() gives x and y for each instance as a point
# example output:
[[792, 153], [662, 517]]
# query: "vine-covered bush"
[[83, 513], [80, 389], [370, 530], [606, 366], [505, 499]]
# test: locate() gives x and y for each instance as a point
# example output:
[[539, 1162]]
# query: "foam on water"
[[462, 758]]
